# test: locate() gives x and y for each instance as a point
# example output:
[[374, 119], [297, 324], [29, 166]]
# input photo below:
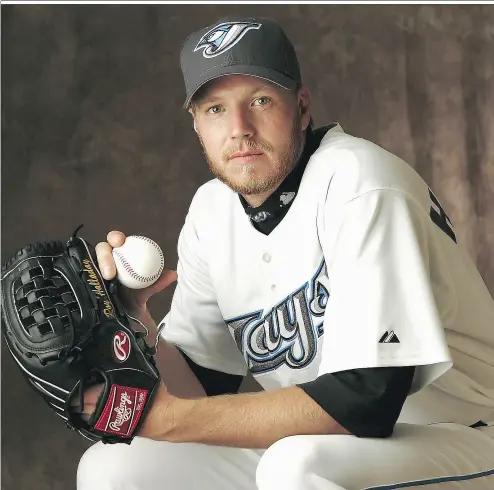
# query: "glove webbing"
[[45, 301]]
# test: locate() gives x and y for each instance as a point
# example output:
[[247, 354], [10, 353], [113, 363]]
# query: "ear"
[[304, 106], [192, 113]]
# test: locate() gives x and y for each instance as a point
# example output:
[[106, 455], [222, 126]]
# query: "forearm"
[[174, 370], [251, 420]]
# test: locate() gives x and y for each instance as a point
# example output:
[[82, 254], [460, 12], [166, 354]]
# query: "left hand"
[[152, 422]]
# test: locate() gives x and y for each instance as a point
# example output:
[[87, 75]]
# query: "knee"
[[119, 466], [286, 463], [102, 466], [143, 465]]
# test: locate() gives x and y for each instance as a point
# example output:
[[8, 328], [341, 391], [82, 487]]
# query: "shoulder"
[[359, 166], [209, 199]]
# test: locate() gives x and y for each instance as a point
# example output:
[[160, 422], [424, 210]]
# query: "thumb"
[[167, 277]]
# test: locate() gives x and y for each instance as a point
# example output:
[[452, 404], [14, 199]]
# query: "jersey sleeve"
[[214, 382], [367, 402], [194, 323], [390, 294]]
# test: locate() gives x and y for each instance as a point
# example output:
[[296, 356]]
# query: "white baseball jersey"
[[363, 271]]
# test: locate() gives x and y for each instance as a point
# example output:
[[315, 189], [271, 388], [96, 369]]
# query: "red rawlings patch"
[[122, 411], [121, 346]]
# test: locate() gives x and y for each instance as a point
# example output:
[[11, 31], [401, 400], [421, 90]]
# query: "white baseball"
[[139, 262]]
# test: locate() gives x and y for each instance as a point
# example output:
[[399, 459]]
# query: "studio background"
[[93, 132]]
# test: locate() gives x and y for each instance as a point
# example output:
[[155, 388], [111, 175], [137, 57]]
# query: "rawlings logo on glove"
[[122, 411], [66, 330], [121, 346]]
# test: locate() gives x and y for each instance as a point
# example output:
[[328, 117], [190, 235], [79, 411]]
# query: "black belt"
[[478, 424]]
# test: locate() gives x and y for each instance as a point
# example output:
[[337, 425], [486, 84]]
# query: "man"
[[326, 267]]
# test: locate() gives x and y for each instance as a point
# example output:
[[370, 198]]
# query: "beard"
[[247, 183]]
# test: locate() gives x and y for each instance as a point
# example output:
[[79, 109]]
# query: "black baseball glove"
[[67, 331]]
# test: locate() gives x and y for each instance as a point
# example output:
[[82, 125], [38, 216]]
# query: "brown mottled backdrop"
[[93, 132]]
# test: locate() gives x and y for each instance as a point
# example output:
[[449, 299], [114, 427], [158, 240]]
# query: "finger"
[[116, 238], [106, 264], [91, 396], [93, 393]]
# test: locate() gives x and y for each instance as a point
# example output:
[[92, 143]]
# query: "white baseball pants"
[[435, 457]]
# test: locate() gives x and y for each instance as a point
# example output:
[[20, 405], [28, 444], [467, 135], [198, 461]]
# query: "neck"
[[256, 200]]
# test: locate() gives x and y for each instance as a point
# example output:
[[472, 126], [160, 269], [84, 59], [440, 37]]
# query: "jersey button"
[[273, 287], [266, 257]]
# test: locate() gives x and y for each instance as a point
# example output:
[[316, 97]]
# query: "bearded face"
[[251, 132], [263, 169]]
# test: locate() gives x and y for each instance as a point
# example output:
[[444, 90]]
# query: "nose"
[[241, 125]]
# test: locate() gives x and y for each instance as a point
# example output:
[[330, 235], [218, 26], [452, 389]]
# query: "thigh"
[[152, 465], [435, 457], [439, 457]]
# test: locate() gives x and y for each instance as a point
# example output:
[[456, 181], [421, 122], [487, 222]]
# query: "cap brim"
[[252, 70]]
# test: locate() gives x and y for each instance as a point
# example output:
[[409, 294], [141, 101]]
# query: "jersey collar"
[[270, 212]]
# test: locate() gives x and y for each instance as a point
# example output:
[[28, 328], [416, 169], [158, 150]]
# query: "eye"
[[262, 100], [214, 109]]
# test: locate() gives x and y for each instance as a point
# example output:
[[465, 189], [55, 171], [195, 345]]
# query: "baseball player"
[[326, 267]]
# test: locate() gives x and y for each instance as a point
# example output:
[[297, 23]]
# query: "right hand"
[[133, 299]]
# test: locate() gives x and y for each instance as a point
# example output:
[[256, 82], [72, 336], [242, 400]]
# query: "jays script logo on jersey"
[[223, 37], [287, 334]]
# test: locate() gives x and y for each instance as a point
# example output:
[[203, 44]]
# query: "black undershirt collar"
[[269, 214]]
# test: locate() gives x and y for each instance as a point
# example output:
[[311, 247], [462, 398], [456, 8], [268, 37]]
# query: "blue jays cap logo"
[[222, 37]]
